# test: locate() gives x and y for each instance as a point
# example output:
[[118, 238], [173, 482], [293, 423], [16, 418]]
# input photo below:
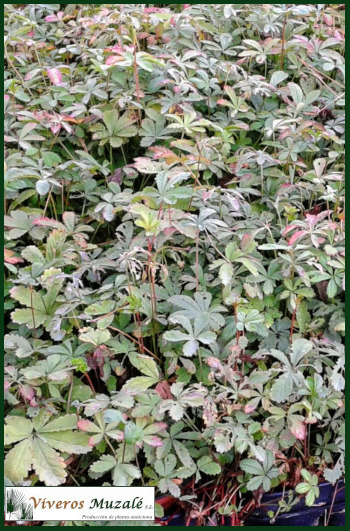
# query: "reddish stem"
[[90, 382], [293, 321]]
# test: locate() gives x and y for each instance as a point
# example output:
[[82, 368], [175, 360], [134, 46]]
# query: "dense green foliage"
[[174, 247]]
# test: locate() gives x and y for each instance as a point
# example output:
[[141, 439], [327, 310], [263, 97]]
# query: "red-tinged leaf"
[[92, 442], [169, 230], [86, 425], [296, 236], [163, 389], [153, 10], [55, 128], [55, 18], [154, 441], [328, 19], [55, 76], [299, 431], [288, 229], [27, 392], [48, 222], [113, 59], [10, 258], [249, 408]]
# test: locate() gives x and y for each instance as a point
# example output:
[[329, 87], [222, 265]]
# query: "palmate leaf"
[[153, 128], [19, 461], [199, 309], [17, 429], [48, 464], [39, 440], [40, 306], [145, 364], [194, 335], [20, 223], [207, 465], [95, 337], [282, 388], [123, 474], [139, 383], [262, 472], [53, 368], [117, 128]]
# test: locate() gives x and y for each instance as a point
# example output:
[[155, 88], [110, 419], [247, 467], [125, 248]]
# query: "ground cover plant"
[[174, 250]]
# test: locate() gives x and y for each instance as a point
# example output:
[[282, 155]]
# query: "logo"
[[18, 505], [79, 503]]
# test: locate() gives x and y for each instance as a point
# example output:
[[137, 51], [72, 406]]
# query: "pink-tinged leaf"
[[113, 59], [288, 229], [164, 82], [301, 38], [6, 97], [160, 426], [55, 76], [153, 10], [86, 425], [207, 194], [27, 392], [115, 49], [249, 408], [55, 18], [29, 75], [296, 236], [10, 258], [299, 431], [92, 441], [214, 363], [153, 441], [311, 420], [328, 20], [47, 222], [7, 385], [186, 6], [160, 152], [55, 128], [169, 231], [163, 389]]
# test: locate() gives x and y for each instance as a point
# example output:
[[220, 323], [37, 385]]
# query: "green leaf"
[[139, 383], [251, 466], [16, 428], [208, 466], [48, 464], [282, 388], [255, 482], [175, 336], [310, 497], [22, 347], [124, 474], [145, 364], [300, 348], [96, 337], [19, 461]]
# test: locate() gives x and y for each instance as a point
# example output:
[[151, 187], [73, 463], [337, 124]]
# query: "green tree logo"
[[18, 507]]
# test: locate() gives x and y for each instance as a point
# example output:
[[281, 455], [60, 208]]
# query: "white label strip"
[[79, 503]]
